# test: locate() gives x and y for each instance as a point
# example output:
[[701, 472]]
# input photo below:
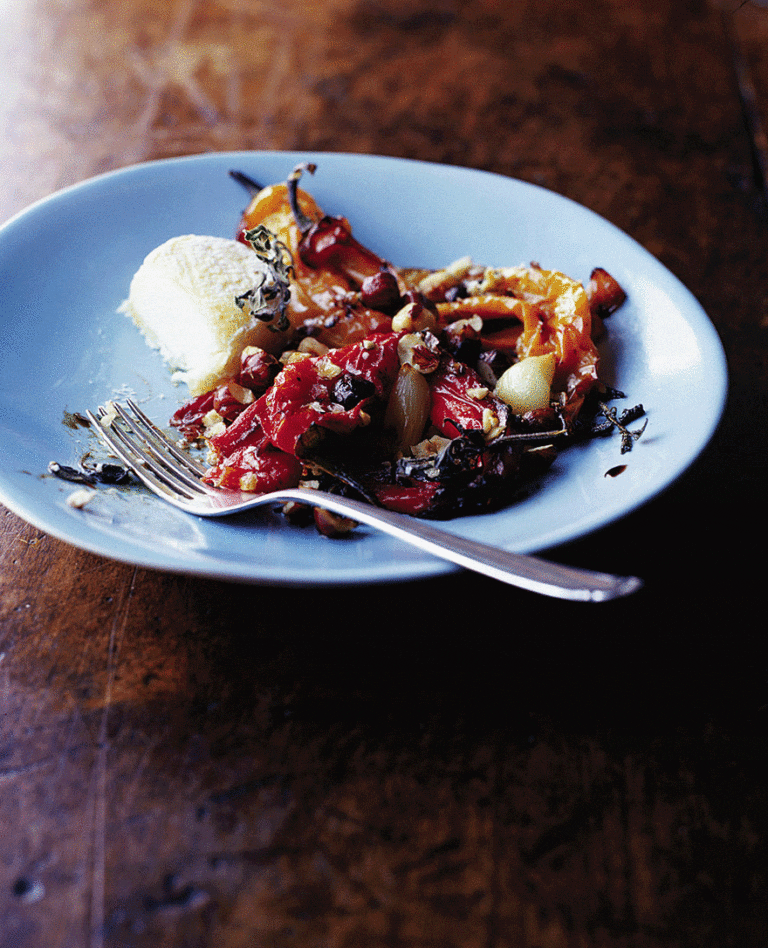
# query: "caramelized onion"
[[409, 406]]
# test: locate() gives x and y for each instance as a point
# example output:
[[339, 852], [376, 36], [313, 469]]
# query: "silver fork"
[[177, 477]]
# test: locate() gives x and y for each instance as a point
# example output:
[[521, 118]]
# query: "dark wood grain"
[[185, 762]]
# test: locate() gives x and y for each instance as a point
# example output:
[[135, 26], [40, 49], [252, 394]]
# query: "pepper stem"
[[251, 186], [303, 222]]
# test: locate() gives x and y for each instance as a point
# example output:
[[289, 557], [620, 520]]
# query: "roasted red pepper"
[[329, 244], [256, 466], [189, 418], [303, 395], [299, 402], [415, 499], [604, 292], [307, 397], [462, 402], [244, 430], [374, 359]]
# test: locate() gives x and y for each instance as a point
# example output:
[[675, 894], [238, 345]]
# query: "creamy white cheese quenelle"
[[182, 298]]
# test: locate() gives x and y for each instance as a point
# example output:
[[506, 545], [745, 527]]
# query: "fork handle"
[[516, 569]]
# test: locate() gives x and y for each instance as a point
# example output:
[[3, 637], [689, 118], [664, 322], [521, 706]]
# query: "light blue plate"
[[66, 264]]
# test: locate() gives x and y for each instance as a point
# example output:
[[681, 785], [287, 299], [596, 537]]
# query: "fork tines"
[[140, 444]]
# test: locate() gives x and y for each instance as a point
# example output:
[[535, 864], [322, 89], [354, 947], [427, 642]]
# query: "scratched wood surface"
[[189, 763]]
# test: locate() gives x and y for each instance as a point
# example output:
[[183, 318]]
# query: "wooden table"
[[185, 762]]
